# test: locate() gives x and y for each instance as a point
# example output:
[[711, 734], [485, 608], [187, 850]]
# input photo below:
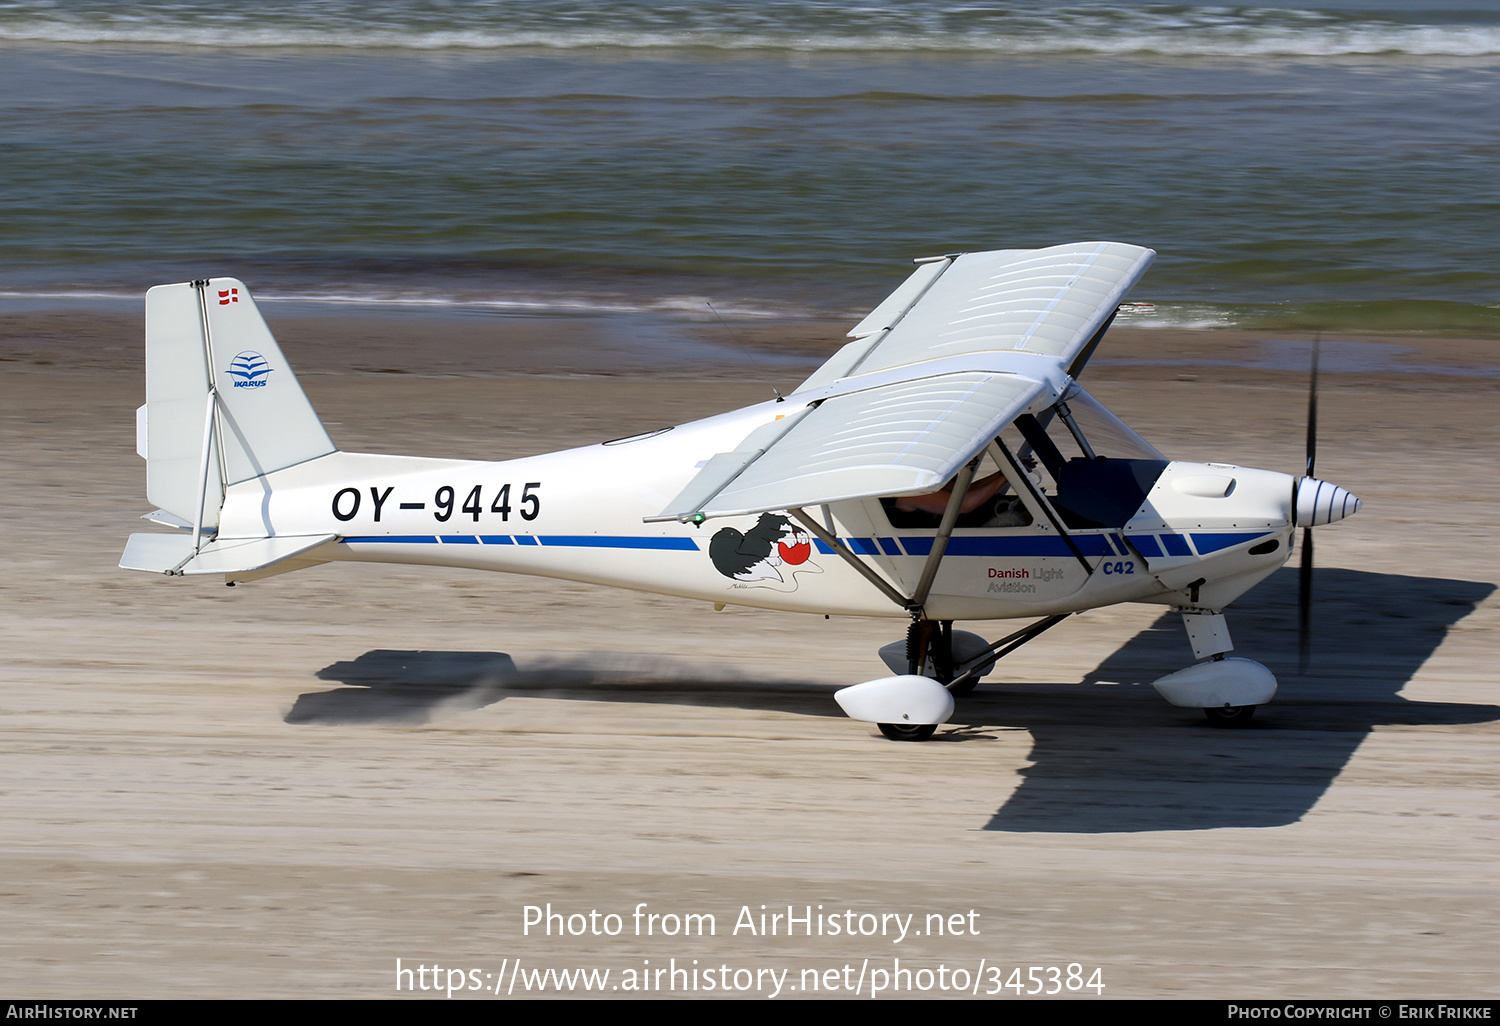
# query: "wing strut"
[[1020, 476], [843, 553], [961, 484], [934, 558], [1076, 367], [1004, 647], [944, 532]]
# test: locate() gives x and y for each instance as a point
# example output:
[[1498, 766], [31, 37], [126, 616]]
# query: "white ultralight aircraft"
[[943, 465]]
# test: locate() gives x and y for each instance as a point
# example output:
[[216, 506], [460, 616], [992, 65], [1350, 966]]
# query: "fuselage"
[[1203, 534]]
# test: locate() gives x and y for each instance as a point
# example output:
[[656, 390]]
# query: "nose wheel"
[[908, 732], [1230, 715]]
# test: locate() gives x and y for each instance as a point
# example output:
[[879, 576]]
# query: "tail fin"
[[222, 405]]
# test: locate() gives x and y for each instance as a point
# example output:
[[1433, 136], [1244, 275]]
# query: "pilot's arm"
[[979, 493]]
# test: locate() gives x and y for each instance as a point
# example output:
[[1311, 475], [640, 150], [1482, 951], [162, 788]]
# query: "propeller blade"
[[1304, 602], [1312, 409], [1305, 577]]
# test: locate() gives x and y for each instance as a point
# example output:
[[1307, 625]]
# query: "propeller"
[[1305, 578]]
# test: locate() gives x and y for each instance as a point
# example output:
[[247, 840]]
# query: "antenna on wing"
[[747, 350]]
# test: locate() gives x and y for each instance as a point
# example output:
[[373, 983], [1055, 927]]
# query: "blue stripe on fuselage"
[[1207, 543], [590, 541]]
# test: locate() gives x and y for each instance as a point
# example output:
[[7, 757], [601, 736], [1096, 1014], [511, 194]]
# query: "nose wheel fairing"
[[904, 702], [1219, 684]]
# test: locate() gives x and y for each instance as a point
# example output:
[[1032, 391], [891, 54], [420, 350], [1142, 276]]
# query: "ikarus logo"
[[249, 370]]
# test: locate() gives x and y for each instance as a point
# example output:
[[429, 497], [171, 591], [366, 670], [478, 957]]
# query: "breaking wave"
[[788, 27]]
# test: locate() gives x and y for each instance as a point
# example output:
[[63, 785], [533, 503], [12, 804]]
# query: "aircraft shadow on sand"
[[1110, 759], [1107, 756], [408, 687]]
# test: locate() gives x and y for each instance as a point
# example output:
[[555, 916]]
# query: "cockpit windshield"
[[1089, 464], [1106, 434]]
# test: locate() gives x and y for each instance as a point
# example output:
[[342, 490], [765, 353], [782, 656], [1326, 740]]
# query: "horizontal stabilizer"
[[156, 553], [173, 553], [166, 519]]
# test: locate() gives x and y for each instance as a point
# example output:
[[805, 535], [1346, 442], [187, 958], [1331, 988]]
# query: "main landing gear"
[[931, 665], [934, 663], [929, 652]]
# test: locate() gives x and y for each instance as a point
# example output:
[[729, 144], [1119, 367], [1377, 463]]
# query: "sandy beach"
[[280, 790]]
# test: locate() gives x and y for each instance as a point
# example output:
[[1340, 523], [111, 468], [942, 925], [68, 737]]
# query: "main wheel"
[[1230, 716], [908, 731]]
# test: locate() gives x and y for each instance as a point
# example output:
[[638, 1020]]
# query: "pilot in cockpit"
[[985, 504]]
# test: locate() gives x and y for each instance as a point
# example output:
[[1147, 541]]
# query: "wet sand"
[[279, 790]]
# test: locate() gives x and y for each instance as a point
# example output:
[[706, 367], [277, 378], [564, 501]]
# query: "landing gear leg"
[[933, 649], [946, 664], [929, 648], [918, 640]]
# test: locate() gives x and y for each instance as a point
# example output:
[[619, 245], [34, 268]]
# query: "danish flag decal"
[[227, 296]]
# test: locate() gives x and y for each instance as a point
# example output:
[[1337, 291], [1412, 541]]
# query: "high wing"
[[961, 348]]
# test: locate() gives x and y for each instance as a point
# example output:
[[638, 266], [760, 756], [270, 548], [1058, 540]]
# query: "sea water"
[[1323, 165]]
